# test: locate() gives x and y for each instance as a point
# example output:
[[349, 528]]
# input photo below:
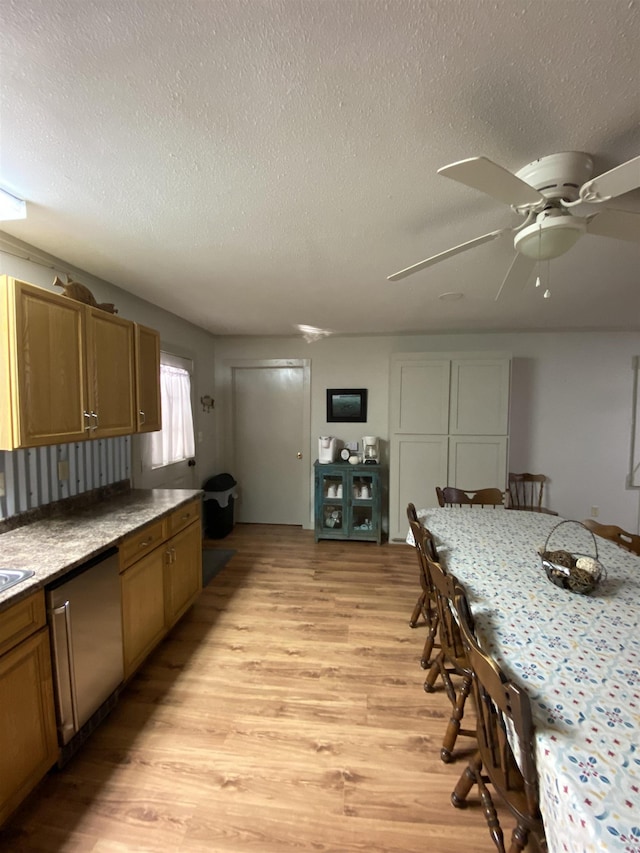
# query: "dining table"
[[576, 655]]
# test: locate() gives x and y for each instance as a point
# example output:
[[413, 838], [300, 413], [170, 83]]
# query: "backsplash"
[[31, 477]]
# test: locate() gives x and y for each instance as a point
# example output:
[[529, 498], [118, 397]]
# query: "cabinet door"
[[479, 397], [332, 485], [143, 622], [419, 401], [110, 366], [183, 571], [477, 461], [149, 416], [28, 742], [44, 361], [365, 501], [418, 465]]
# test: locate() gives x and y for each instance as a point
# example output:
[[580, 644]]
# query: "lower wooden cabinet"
[[183, 572], [143, 622], [28, 738], [160, 584]]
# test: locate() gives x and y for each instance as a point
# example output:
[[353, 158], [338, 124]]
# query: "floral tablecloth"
[[578, 657]]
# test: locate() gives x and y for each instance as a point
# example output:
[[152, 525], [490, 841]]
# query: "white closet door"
[[478, 462], [418, 464], [419, 401], [479, 397], [448, 426]]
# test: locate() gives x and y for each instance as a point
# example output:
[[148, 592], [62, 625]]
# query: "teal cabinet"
[[348, 501]]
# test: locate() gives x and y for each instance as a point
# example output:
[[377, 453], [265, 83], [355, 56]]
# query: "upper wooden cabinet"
[[68, 372], [42, 367], [110, 371], [148, 413]]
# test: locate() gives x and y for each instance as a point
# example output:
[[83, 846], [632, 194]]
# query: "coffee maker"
[[327, 449], [370, 450]]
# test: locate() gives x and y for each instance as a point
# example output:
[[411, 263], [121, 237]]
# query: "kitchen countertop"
[[53, 546]]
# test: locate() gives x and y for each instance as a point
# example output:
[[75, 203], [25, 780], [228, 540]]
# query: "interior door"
[[268, 429]]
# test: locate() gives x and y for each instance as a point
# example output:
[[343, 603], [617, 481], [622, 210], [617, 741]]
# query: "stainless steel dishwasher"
[[85, 616]]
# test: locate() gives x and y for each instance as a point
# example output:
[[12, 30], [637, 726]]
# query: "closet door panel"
[[420, 396], [478, 462], [418, 465], [479, 397]]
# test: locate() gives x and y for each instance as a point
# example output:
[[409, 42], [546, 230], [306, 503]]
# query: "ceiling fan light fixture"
[[550, 239]]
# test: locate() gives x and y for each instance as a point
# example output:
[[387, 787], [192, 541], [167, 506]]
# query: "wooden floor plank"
[[285, 712]]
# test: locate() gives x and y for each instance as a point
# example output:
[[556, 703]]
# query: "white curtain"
[[175, 442]]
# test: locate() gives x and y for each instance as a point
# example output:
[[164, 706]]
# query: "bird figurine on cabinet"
[[80, 293]]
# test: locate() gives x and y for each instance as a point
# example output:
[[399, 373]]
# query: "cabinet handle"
[[93, 415], [145, 542], [143, 417], [87, 424]]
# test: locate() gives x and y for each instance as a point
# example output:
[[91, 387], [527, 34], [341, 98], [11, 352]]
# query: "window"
[[175, 442]]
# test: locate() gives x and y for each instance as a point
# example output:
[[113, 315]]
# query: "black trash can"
[[219, 496]]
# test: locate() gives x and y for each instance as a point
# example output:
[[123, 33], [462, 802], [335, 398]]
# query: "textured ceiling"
[[255, 164]]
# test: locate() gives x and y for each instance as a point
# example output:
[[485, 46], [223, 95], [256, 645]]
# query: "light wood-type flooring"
[[285, 713]]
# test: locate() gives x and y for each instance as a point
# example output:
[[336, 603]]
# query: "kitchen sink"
[[9, 577]]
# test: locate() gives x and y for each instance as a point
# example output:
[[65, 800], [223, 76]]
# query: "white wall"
[[177, 335], [570, 403], [570, 406]]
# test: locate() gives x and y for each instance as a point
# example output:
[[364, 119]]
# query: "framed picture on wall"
[[346, 405]]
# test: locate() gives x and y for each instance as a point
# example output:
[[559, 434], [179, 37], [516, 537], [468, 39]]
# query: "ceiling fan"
[[545, 193]]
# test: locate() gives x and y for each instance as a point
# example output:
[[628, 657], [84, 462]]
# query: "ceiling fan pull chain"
[[547, 293]]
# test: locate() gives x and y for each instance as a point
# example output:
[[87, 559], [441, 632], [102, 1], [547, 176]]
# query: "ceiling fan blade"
[[619, 224], [518, 273], [485, 175], [617, 181], [435, 259]]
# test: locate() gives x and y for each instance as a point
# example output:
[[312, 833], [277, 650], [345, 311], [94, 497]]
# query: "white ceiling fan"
[[547, 193]]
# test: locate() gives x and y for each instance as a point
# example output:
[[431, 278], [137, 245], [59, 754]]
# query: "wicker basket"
[[563, 567]]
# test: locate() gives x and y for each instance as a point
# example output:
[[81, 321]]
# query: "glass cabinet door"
[[333, 517], [363, 503]]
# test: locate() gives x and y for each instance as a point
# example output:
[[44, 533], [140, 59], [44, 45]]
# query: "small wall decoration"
[[346, 405], [78, 292], [207, 403]]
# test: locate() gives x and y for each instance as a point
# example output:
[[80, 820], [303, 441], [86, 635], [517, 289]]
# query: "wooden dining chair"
[[426, 604], [504, 722], [525, 492], [451, 496], [628, 541], [451, 659]]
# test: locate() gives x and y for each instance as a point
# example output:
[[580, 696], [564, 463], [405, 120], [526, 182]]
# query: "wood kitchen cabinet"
[[43, 382], [110, 373], [70, 372], [161, 576], [143, 622], [147, 349], [183, 564], [28, 740]]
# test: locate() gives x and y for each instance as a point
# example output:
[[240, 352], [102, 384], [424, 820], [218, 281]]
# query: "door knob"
[[298, 455]]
